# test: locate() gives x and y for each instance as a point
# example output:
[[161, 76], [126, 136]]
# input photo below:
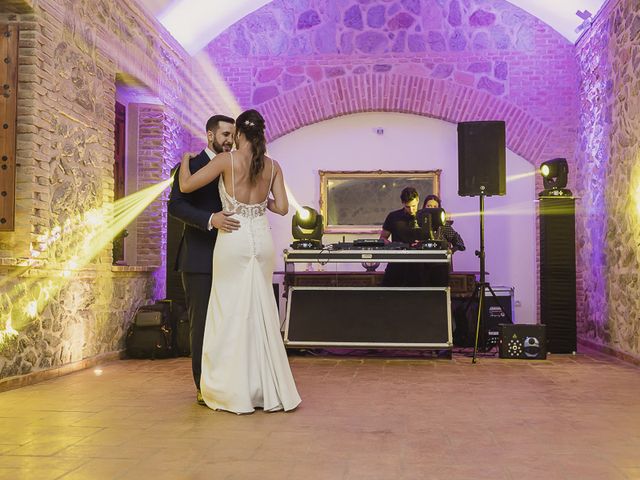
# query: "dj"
[[401, 226], [398, 225]]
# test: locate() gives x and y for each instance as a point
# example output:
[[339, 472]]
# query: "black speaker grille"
[[558, 273], [481, 158]]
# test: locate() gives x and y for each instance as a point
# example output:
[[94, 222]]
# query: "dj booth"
[[363, 316]]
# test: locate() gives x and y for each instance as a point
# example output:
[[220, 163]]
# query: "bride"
[[244, 363]]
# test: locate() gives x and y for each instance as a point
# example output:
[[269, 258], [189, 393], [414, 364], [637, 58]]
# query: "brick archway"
[[429, 97]]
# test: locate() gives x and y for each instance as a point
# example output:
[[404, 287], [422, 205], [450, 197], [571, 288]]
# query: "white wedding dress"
[[244, 363]]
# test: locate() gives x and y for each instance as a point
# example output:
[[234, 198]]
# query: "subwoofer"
[[481, 158], [558, 273]]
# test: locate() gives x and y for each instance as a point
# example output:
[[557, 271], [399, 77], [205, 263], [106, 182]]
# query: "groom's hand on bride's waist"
[[223, 221]]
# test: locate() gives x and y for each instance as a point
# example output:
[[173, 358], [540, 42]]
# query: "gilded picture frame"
[[359, 201]]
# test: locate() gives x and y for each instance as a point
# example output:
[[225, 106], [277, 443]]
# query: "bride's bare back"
[[238, 183]]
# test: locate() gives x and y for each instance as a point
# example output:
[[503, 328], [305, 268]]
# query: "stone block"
[[402, 21], [308, 19], [353, 18], [435, 40], [376, 16], [371, 42], [482, 18]]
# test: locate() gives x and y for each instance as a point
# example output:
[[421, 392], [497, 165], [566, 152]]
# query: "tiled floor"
[[570, 417]]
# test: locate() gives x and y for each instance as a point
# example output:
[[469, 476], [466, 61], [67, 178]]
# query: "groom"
[[202, 215]]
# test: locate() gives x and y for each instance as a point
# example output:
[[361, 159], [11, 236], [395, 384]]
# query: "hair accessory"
[[249, 124]]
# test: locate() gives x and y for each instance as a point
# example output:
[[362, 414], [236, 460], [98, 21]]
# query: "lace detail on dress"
[[232, 205]]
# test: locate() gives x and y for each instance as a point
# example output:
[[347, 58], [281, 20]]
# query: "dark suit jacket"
[[195, 253]]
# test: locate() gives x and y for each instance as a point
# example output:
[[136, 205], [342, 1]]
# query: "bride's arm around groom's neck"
[[190, 182]]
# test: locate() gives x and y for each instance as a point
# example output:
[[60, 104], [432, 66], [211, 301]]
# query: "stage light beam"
[[82, 239], [520, 176]]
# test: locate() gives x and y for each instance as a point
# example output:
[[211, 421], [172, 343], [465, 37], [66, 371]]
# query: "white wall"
[[412, 142]]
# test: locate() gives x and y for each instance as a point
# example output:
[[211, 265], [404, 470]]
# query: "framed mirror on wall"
[[359, 201]]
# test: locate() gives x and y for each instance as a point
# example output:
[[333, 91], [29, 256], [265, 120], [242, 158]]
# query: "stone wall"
[[449, 59], [608, 226], [85, 316], [58, 306]]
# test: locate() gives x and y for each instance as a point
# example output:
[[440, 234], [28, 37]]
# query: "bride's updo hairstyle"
[[251, 124]]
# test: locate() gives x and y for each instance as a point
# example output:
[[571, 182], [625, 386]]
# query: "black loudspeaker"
[[175, 290], [558, 272], [523, 341], [481, 159]]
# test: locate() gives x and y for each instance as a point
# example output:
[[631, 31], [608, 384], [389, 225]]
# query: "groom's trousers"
[[197, 288]]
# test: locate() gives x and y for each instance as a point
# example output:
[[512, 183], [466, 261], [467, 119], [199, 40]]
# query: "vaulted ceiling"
[[194, 23]]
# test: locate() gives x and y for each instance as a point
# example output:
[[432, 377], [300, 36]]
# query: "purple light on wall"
[[596, 92]]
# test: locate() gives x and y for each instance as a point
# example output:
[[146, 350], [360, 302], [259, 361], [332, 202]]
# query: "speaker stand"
[[479, 292]]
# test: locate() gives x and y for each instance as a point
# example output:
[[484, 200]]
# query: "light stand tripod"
[[479, 290]]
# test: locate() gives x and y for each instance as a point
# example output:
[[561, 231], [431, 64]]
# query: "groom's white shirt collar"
[[209, 152]]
